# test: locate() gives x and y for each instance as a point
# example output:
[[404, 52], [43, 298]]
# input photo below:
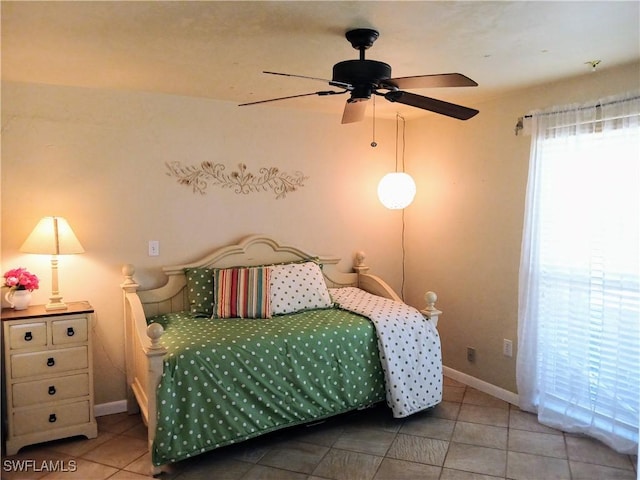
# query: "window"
[[579, 311]]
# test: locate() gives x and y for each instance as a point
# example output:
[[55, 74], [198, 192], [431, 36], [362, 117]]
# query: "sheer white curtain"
[[578, 362]]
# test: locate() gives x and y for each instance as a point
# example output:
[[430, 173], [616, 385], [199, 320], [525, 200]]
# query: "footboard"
[[143, 349]]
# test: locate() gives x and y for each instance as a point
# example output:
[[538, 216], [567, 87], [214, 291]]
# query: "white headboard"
[[250, 251]]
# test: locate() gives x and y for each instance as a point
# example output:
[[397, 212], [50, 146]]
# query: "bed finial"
[[129, 285], [430, 311], [128, 270], [430, 298], [154, 332], [358, 262]]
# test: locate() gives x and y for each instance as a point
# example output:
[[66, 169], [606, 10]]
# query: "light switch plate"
[[154, 248]]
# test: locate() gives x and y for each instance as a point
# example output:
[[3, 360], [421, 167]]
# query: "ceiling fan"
[[362, 78]]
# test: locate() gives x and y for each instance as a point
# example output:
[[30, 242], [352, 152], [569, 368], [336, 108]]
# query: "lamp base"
[[55, 303], [55, 306]]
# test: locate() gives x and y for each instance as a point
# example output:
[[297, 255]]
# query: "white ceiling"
[[219, 49]]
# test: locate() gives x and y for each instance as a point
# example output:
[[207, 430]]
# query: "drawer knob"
[[52, 390], [52, 418], [51, 362], [70, 332], [28, 336]]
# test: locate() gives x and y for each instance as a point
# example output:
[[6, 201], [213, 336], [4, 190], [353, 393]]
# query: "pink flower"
[[21, 279]]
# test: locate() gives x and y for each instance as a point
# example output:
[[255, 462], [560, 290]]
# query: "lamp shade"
[[396, 190], [52, 236]]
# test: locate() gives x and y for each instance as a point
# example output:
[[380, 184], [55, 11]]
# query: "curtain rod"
[[597, 105], [520, 123]]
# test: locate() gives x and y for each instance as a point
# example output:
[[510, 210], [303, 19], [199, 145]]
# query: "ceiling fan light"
[[396, 190]]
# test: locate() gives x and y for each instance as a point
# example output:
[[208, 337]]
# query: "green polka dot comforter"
[[227, 380]]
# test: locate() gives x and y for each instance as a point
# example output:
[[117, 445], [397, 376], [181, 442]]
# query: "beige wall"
[[97, 157], [464, 229]]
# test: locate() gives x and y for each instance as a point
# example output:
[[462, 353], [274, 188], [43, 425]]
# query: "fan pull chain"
[[373, 136]]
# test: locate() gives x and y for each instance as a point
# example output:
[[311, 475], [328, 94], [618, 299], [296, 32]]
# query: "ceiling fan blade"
[[430, 81], [330, 82], [321, 93], [354, 111], [431, 104]]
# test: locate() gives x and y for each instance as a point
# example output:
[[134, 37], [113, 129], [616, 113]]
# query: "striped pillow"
[[242, 293]]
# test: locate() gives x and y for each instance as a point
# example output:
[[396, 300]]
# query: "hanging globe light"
[[396, 190]]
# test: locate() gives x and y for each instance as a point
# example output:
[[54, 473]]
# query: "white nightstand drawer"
[[27, 335], [51, 361], [72, 330], [50, 390], [47, 418]]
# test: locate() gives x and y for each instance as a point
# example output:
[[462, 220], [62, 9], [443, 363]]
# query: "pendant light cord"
[[398, 117], [403, 140], [397, 126], [404, 254]]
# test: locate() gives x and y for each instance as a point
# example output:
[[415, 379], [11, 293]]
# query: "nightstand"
[[48, 374]]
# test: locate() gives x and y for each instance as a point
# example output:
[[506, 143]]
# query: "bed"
[[260, 336]]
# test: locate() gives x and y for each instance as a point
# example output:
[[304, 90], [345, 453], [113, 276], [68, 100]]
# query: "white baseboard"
[[110, 408], [481, 385]]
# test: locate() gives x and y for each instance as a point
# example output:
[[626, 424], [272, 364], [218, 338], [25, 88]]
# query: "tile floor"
[[469, 436]]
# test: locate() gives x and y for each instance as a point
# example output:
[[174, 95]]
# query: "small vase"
[[19, 299]]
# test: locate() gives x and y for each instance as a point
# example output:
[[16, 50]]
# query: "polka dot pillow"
[[298, 286], [200, 291]]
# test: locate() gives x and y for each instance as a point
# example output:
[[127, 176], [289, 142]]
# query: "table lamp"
[[53, 236]]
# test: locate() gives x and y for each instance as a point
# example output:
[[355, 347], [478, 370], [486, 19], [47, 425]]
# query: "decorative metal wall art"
[[208, 173]]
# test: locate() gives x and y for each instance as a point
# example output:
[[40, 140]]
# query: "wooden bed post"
[[155, 355], [144, 359], [129, 287]]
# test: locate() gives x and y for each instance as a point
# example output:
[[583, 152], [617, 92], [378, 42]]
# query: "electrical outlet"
[[507, 348], [471, 354], [154, 248]]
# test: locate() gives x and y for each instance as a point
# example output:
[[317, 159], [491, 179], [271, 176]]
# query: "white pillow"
[[298, 286]]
